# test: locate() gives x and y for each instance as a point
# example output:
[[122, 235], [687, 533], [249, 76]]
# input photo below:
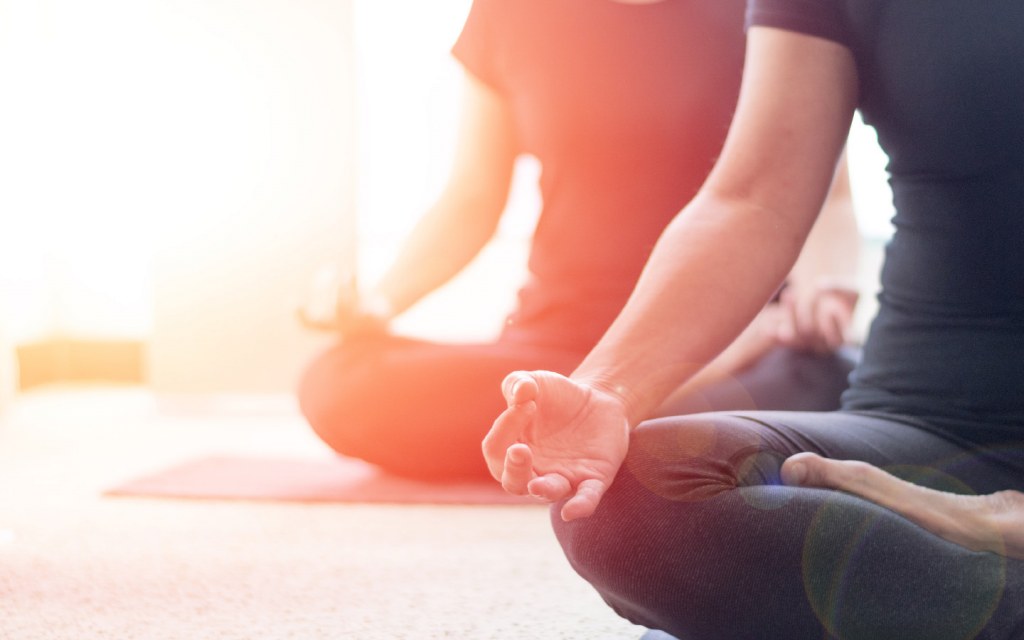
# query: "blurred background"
[[174, 172]]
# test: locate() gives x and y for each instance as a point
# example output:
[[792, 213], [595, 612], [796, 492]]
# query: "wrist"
[[627, 401]]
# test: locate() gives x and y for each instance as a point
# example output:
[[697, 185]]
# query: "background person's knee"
[[329, 398]]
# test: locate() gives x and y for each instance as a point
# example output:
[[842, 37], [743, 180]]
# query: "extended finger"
[[796, 328], [786, 330], [503, 434], [550, 487], [583, 504], [802, 313], [518, 469], [833, 316], [519, 387]]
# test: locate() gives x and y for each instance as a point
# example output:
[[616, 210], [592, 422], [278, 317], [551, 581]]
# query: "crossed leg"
[[992, 522], [699, 537]]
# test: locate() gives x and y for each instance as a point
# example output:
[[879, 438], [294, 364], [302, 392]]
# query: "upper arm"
[[486, 149], [796, 103]]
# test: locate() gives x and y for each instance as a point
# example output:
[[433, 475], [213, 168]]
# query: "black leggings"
[[697, 537], [391, 400]]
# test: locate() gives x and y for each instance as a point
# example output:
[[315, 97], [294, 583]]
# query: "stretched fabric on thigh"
[[697, 536]]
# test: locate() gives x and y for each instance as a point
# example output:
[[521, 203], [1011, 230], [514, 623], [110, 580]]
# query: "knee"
[[602, 547], [661, 534], [315, 390], [328, 397], [622, 550], [673, 464], [693, 458], [664, 465]]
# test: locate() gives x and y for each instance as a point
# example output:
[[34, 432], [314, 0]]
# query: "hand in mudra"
[[558, 439], [817, 320], [335, 304], [993, 522]]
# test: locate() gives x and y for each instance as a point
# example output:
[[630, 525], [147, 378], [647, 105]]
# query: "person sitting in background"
[[626, 105]]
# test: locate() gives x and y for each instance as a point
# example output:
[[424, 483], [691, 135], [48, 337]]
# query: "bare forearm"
[[726, 253], [712, 271], [441, 244], [751, 345]]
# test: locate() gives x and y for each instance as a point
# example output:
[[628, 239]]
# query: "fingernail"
[[798, 473]]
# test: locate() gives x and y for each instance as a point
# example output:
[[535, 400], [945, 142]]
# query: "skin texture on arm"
[[465, 216], [817, 305], [726, 253], [993, 522], [713, 269]]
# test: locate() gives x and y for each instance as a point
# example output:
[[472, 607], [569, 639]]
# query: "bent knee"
[[670, 503], [631, 546], [316, 392], [332, 398], [698, 457]]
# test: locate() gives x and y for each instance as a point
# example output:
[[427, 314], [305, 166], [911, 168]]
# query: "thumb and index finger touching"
[[520, 387], [520, 391]]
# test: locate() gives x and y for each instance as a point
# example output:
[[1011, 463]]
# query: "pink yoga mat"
[[305, 480]]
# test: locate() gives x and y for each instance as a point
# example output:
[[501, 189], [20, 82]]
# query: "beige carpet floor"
[[77, 565]]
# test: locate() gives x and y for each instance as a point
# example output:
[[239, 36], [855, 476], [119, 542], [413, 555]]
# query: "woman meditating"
[[626, 104], [692, 524]]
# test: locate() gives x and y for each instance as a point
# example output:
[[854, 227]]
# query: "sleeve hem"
[[474, 68], [807, 24]]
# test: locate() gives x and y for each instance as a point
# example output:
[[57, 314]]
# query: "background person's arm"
[[453, 230], [466, 215], [711, 272]]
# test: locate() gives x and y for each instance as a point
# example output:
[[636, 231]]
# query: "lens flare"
[[862, 585]]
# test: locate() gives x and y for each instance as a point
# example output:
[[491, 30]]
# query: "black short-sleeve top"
[[942, 82], [626, 107]]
